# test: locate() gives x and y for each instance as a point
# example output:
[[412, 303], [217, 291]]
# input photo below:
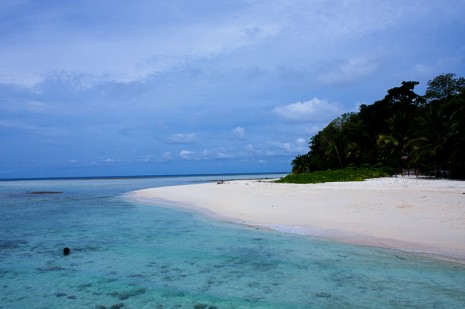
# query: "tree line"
[[403, 131]]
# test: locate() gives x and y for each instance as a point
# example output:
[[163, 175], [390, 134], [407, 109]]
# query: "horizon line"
[[134, 176]]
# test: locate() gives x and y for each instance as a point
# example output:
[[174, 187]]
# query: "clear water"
[[125, 255]]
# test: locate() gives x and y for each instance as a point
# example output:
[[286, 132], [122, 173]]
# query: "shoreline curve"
[[425, 216]]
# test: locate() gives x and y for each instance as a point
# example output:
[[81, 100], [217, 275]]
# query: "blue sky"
[[104, 88]]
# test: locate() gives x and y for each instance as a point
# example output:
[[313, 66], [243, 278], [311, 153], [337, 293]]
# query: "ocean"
[[130, 255]]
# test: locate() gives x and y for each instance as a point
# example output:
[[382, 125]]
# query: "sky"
[[155, 87]]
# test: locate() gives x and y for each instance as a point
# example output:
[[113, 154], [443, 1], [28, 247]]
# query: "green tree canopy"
[[402, 130], [444, 86]]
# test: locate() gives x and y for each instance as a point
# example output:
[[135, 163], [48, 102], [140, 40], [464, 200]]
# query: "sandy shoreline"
[[421, 215]]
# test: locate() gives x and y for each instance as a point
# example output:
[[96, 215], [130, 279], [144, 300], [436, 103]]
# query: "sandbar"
[[414, 214]]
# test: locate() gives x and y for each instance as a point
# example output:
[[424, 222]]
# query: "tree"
[[456, 161], [300, 164], [444, 86], [335, 146], [430, 149], [388, 123], [440, 143], [394, 146], [402, 129]]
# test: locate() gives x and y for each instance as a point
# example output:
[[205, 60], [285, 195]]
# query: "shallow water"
[[126, 255]]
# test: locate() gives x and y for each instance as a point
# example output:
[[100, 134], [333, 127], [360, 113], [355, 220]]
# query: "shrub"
[[347, 174]]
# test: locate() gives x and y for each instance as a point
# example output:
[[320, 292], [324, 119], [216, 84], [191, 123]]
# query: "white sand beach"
[[421, 215]]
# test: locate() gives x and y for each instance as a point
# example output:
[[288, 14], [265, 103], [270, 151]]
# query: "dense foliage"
[[346, 174], [402, 131]]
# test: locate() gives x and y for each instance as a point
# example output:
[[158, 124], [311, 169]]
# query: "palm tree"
[[394, 146], [432, 148], [440, 144], [300, 164]]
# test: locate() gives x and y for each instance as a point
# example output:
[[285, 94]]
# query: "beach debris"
[[66, 251]]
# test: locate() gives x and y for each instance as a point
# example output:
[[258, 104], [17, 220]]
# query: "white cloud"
[[348, 71], [166, 156], [281, 145], [207, 154], [216, 154], [53, 39], [312, 110], [273, 148], [147, 158], [186, 154], [239, 132], [84, 38], [182, 138], [105, 75]]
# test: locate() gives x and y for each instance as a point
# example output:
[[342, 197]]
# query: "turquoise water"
[[126, 255]]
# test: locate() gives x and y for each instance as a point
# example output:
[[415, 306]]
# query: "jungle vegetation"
[[402, 131]]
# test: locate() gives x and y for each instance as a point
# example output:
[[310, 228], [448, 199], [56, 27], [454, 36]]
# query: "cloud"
[[148, 158], [273, 148], [165, 156], [131, 41], [208, 154], [280, 145], [239, 132], [89, 38], [312, 110], [348, 71], [252, 79], [279, 148], [187, 155], [182, 138]]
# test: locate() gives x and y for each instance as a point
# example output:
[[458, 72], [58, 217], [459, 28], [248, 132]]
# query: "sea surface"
[[129, 255]]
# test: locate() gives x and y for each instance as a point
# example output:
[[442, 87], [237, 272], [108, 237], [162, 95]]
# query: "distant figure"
[[220, 182], [66, 251]]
